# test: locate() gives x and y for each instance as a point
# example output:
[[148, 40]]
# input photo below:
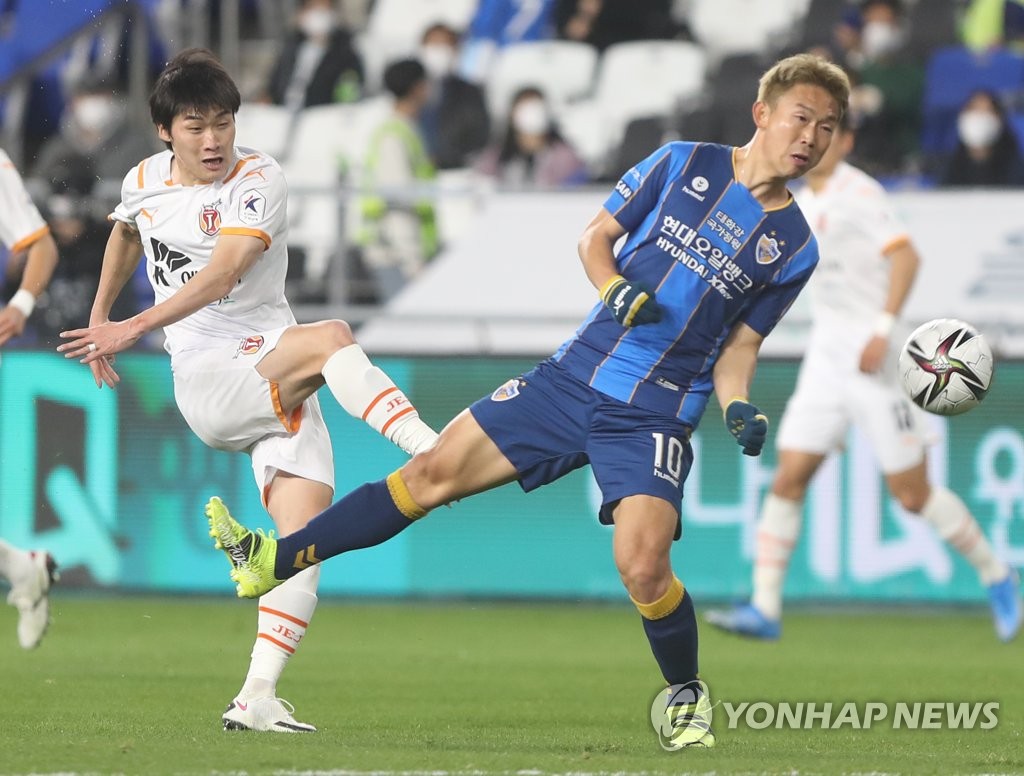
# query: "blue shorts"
[[548, 423]]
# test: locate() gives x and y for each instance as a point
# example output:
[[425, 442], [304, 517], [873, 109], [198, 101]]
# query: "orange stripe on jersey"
[[380, 396], [255, 172], [281, 644], [396, 416], [142, 173], [248, 232], [239, 165], [292, 423], [284, 616], [894, 243], [24, 242]]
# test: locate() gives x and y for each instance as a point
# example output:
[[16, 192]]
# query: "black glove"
[[630, 303], [748, 424]]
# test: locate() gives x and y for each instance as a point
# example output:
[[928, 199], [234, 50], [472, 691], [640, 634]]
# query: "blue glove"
[[748, 424], [630, 303]]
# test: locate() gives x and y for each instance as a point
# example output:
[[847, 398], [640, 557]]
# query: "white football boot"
[[262, 714], [30, 596]]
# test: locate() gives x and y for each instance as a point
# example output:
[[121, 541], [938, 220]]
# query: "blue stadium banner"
[[114, 483]]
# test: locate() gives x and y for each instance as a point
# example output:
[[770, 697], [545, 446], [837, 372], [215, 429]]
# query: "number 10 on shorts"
[[669, 457]]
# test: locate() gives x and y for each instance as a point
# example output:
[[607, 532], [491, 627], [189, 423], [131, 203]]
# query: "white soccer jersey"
[[856, 228], [20, 222], [179, 226]]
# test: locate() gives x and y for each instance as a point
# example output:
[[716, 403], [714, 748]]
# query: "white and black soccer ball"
[[946, 367]]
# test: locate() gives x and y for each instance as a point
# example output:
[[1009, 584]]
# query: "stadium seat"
[[931, 25], [765, 26], [563, 69], [264, 127], [634, 80], [819, 20], [952, 75], [394, 29]]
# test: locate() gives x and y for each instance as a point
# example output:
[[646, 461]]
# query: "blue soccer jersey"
[[713, 257]]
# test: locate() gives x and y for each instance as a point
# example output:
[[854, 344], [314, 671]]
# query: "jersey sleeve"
[[883, 224], [257, 205], [130, 206], [21, 224], [777, 297], [639, 190]]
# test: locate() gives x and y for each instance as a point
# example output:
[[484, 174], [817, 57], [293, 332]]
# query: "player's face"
[[203, 145], [797, 129]]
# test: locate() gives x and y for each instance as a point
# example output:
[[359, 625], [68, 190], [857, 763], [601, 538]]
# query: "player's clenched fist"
[[631, 304], [748, 424]]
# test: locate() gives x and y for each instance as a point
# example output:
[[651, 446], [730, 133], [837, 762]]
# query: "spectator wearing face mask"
[[96, 143], [318, 64], [532, 152], [889, 90], [454, 121], [987, 152]]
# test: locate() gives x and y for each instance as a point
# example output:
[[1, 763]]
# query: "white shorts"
[[231, 406], [828, 401]]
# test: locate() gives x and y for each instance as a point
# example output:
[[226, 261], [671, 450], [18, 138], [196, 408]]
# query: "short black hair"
[[402, 76], [193, 80]]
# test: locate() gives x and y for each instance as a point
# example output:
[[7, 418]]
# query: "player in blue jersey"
[[716, 252]]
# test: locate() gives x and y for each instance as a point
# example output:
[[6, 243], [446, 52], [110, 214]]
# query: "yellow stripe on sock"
[[402, 497], [665, 605]]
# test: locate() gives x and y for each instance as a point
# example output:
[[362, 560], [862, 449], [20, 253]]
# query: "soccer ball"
[[946, 367]]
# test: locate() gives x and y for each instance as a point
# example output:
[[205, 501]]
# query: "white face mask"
[[977, 128], [879, 39], [531, 117], [94, 112], [437, 59], [316, 22]]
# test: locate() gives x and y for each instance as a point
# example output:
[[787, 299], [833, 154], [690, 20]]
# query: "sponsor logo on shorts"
[[209, 219], [508, 391], [249, 345]]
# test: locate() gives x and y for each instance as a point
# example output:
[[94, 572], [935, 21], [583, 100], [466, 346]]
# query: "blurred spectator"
[[889, 90], [81, 236], [992, 23], [399, 229], [318, 63], [987, 153], [499, 23], [602, 23], [96, 143], [454, 120], [532, 153]]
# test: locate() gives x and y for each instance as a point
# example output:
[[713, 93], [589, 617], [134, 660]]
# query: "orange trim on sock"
[[403, 413], [380, 396], [778, 563], [775, 539], [284, 615], [275, 642]]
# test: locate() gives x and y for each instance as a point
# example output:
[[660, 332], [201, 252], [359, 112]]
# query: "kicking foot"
[[745, 620], [251, 553]]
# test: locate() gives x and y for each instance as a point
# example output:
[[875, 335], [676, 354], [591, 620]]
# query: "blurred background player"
[[626, 391], [848, 377], [33, 257], [245, 374]]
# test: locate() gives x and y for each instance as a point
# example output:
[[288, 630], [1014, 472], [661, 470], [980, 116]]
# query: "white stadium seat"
[[264, 127], [563, 69]]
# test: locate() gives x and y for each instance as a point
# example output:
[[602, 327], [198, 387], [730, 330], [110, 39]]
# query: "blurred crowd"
[[938, 101]]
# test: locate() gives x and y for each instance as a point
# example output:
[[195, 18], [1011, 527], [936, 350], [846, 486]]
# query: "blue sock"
[[671, 627], [367, 516]]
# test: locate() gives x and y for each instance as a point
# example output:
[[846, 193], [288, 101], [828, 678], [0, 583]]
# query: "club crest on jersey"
[[767, 249], [249, 345], [251, 207], [508, 391], [209, 219]]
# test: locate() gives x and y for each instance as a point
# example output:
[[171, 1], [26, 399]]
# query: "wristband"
[[603, 291], [23, 301], [883, 324]]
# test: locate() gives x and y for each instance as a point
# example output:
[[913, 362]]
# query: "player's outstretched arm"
[[39, 265], [733, 374], [903, 265]]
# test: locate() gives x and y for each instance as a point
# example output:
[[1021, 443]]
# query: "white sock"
[[367, 393], [957, 526], [14, 563], [777, 532], [284, 615]]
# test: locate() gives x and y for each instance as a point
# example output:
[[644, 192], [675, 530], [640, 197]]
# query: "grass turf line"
[[137, 685]]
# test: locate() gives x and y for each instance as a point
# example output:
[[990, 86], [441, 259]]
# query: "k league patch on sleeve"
[[251, 207]]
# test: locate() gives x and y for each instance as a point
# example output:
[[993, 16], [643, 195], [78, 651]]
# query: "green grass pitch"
[[132, 685]]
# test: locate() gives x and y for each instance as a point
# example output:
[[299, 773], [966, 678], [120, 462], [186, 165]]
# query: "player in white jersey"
[[211, 220], [848, 377], [34, 254]]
